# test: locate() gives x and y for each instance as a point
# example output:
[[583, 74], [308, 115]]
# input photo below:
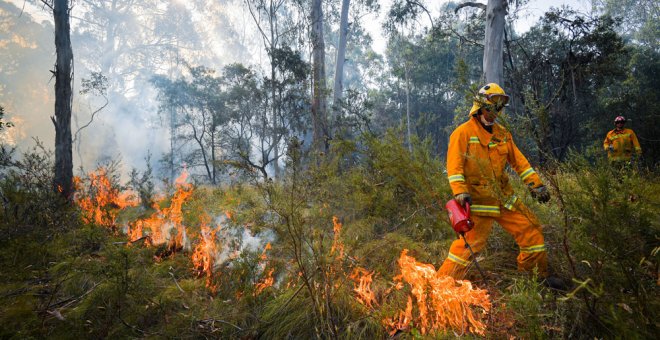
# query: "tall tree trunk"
[[493, 43], [341, 56], [109, 44], [276, 103], [213, 156], [319, 106], [407, 73], [63, 181]]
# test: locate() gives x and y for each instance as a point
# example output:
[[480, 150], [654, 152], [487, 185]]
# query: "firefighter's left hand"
[[541, 194]]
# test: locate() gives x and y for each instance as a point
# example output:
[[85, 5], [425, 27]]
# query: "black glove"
[[463, 198], [541, 194]]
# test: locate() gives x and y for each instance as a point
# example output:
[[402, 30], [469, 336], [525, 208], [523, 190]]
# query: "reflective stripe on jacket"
[[476, 161], [623, 143]]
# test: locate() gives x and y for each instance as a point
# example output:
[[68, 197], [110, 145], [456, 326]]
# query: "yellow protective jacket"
[[476, 161], [623, 143]]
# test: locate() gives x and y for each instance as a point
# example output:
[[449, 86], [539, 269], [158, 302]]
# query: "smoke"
[[129, 44], [238, 239], [152, 37]]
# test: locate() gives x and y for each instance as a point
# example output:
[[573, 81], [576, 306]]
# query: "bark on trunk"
[[408, 106], [341, 56], [63, 181], [275, 103], [493, 42], [319, 106]]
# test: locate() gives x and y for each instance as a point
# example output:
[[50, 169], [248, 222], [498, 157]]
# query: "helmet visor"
[[497, 102]]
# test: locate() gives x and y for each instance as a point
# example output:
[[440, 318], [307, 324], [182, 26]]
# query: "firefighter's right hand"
[[463, 198], [541, 194]]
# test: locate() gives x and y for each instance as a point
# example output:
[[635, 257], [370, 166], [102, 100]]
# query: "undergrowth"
[[63, 278]]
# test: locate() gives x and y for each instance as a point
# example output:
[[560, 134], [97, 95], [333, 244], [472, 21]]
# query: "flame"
[[363, 279], [337, 244], [135, 233], [263, 256], [442, 302], [100, 200], [204, 255], [402, 321], [264, 283], [181, 180], [161, 223], [268, 280]]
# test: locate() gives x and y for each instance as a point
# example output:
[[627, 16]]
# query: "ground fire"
[[442, 302], [99, 200], [162, 222], [435, 303], [363, 279], [266, 281], [204, 255]]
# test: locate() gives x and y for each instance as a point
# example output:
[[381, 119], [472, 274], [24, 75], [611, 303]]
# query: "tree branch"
[[470, 4], [46, 4], [75, 135], [256, 21]]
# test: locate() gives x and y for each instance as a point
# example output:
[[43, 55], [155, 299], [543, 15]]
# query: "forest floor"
[[329, 251]]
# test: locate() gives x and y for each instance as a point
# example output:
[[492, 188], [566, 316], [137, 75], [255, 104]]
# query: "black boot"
[[555, 283]]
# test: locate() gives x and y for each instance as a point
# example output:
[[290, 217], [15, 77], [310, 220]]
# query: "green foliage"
[[143, 184], [565, 69], [87, 281], [30, 204], [525, 299], [636, 99], [613, 221]]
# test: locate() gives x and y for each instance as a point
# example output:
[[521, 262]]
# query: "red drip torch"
[[461, 223]]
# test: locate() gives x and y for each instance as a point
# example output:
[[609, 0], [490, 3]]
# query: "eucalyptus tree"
[[341, 56], [402, 17], [278, 28], [568, 66], [248, 128], [640, 19], [128, 41], [355, 68], [63, 73], [321, 133], [493, 60], [427, 66], [199, 103]]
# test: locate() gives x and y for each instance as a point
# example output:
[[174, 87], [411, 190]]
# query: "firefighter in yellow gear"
[[478, 153], [621, 142]]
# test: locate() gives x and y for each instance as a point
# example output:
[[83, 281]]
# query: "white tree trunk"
[[493, 43], [341, 56], [319, 106]]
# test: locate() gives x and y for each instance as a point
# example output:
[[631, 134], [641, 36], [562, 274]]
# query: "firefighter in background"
[[478, 153], [620, 142]]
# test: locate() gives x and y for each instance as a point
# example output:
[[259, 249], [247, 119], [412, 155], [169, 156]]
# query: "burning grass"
[[436, 303], [100, 200], [205, 255], [442, 302], [357, 272]]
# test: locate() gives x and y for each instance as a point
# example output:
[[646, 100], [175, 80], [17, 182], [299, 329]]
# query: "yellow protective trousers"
[[520, 223]]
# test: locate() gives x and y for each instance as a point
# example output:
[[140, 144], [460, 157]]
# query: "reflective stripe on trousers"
[[521, 224]]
